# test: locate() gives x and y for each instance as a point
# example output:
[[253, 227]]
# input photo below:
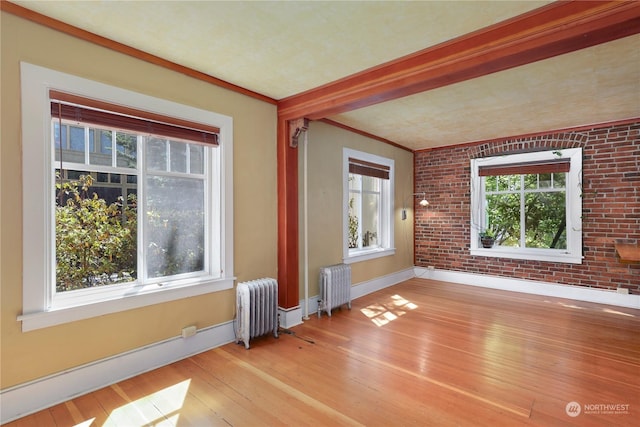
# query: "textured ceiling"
[[279, 49]]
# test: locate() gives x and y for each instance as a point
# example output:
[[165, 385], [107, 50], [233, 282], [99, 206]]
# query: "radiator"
[[256, 309], [335, 287]]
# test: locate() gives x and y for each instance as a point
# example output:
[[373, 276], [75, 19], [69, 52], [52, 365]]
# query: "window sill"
[[530, 254], [69, 312], [367, 255]]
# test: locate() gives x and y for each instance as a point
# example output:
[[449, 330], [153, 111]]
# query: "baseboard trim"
[[290, 317], [27, 398], [367, 287], [578, 293]]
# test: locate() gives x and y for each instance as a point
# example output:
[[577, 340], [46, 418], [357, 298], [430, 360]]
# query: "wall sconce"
[[423, 202]]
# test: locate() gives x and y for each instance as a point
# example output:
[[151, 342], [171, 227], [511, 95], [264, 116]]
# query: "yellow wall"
[[31, 355], [325, 144], [26, 356]]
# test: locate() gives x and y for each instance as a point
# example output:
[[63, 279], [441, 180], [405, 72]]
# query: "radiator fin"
[[256, 309], [335, 287]]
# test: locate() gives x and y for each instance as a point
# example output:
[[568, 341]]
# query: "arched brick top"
[[555, 141]]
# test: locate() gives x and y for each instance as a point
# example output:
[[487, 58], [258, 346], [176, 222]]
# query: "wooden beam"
[[552, 30], [287, 176]]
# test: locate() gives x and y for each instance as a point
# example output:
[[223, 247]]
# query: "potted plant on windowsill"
[[487, 238]]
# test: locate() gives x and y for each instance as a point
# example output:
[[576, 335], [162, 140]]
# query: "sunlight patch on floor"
[[564, 304], [620, 313], [156, 409], [383, 313]]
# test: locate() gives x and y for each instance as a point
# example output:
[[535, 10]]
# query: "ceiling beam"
[[552, 30]]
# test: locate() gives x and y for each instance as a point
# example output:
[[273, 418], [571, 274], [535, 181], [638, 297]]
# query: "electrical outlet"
[[189, 331]]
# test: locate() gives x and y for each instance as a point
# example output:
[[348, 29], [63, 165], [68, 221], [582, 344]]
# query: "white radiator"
[[256, 309], [335, 287]]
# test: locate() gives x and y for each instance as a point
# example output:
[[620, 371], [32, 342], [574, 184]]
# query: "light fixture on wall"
[[423, 202]]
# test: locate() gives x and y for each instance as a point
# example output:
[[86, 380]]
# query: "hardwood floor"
[[421, 353]]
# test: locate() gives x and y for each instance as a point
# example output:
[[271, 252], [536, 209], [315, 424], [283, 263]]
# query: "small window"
[[528, 206], [368, 206]]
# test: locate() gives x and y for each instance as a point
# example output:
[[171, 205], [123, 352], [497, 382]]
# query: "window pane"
[[354, 219], [370, 183], [95, 234], [531, 181], [100, 147], [508, 182], [545, 220], [178, 153], [127, 150], [544, 179], [559, 180], [491, 183], [156, 154], [175, 226], [355, 182], [196, 159], [76, 138], [370, 209], [503, 215], [57, 135]]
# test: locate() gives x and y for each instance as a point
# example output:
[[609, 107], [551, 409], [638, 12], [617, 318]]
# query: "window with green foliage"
[[127, 199], [99, 173], [528, 206], [527, 210], [368, 191]]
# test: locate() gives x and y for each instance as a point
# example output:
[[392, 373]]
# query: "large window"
[[528, 206], [127, 199], [368, 206]]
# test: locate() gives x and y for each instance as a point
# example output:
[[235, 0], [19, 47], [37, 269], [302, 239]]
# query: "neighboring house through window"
[[126, 199], [368, 205], [529, 205]]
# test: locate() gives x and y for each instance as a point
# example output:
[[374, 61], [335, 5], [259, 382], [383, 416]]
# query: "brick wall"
[[611, 207]]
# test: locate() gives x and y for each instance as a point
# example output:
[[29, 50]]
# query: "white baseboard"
[[578, 293], [364, 288], [290, 317], [27, 398]]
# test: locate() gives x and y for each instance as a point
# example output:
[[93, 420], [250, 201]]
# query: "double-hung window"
[[368, 206], [528, 206], [127, 199]]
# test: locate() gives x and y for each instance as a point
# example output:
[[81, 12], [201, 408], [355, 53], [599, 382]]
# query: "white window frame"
[[573, 253], [41, 308], [387, 241]]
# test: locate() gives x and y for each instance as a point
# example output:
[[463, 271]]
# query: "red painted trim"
[[288, 257], [555, 29], [54, 24], [534, 134], [363, 133]]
